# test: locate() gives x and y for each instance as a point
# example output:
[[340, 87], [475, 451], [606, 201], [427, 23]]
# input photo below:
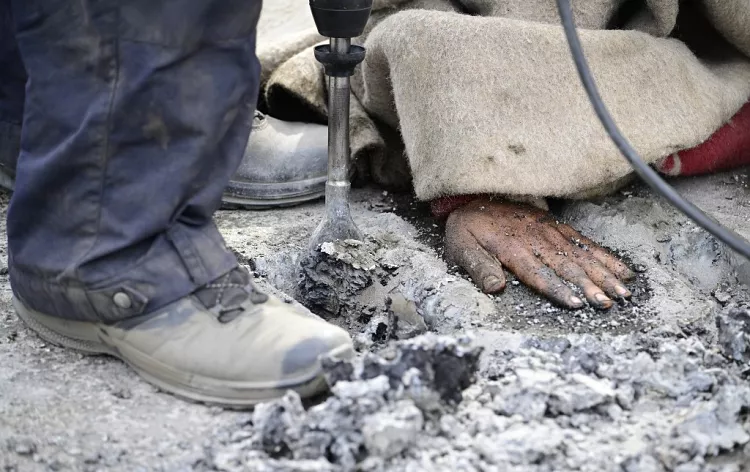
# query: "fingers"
[[607, 259], [568, 269], [603, 278], [484, 269], [595, 270], [536, 275], [541, 253]]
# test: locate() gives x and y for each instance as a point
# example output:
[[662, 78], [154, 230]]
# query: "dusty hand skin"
[[486, 235]]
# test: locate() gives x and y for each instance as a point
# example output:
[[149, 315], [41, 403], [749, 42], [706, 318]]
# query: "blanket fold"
[[483, 96]]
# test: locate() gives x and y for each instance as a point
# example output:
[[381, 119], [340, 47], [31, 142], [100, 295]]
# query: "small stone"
[[701, 381], [274, 421], [409, 323], [625, 396], [586, 392], [484, 398], [531, 377], [722, 296], [734, 334], [388, 433], [240, 435], [123, 393], [363, 342], [614, 412], [361, 389], [23, 446], [450, 426]]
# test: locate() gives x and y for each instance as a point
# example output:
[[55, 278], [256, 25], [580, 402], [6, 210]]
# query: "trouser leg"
[[136, 115], [12, 83]]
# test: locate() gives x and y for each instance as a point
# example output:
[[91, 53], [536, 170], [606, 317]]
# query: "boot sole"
[[263, 196], [232, 202], [94, 341]]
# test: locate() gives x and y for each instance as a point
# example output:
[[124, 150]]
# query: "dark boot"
[[285, 163]]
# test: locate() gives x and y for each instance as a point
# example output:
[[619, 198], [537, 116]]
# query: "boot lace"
[[228, 296]]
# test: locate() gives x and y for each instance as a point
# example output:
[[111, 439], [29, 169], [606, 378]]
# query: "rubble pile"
[[379, 407], [632, 403], [386, 287]]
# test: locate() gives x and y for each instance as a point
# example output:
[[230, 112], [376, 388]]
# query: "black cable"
[[727, 236]]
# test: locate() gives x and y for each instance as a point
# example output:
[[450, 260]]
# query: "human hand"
[[485, 235]]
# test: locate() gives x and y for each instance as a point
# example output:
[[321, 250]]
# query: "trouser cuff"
[[178, 262]]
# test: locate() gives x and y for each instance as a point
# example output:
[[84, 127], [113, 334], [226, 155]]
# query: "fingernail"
[[603, 299], [622, 291], [576, 302], [492, 283]]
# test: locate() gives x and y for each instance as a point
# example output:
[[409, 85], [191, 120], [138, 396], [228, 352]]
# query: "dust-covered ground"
[[449, 378]]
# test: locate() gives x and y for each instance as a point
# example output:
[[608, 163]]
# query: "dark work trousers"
[[134, 114]]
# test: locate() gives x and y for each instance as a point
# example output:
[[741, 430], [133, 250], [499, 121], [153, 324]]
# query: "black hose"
[[727, 236]]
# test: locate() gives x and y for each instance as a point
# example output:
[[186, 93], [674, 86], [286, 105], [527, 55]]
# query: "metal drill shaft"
[[339, 20], [338, 122], [337, 223]]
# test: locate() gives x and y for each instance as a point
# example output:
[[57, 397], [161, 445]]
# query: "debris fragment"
[[734, 334], [409, 322], [722, 296], [379, 329], [22, 446], [331, 277], [442, 364], [393, 430]]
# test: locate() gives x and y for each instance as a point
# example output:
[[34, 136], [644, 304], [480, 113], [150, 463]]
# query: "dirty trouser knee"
[[136, 115]]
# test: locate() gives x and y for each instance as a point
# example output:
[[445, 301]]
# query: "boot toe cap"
[[306, 354], [253, 358]]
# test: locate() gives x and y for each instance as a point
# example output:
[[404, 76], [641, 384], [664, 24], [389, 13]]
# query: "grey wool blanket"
[[481, 96]]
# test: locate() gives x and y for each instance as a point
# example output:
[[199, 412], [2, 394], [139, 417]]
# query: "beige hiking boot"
[[227, 344]]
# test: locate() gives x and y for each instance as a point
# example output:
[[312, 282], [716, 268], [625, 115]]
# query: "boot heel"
[[31, 319]]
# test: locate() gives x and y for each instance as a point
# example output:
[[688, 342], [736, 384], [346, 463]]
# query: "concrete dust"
[[655, 384], [632, 403]]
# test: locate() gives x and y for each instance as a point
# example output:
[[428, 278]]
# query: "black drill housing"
[[341, 18]]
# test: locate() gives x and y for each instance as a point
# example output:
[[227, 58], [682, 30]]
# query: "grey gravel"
[[658, 383], [540, 410]]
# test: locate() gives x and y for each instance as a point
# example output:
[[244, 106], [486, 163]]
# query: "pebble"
[[23, 446]]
